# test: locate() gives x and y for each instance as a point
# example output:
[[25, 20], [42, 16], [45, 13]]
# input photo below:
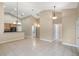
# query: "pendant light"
[[18, 21], [35, 24], [54, 14]]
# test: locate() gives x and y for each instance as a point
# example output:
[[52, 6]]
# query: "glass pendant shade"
[[54, 14], [54, 17]]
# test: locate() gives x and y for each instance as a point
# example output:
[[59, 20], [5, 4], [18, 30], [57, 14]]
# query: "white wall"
[[38, 29], [68, 23], [46, 25], [77, 32], [77, 27], [1, 18], [1, 10], [27, 26]]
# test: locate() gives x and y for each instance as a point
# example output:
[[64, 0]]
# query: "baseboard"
[[47, 40], [70, 44]]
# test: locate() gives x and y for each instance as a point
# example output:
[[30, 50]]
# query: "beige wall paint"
[[27, 25], [78, 9], [1, 10], [77, 26], [46, 25], [38, 29], [77, 40], [68, 21], [1, 18]]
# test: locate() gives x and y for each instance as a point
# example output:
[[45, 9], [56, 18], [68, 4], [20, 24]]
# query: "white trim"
[[70, 44], [46, 40]]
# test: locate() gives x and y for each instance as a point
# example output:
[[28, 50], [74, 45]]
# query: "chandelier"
[[54, 14]]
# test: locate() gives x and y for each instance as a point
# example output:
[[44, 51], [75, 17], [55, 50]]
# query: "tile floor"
[[35, 47]]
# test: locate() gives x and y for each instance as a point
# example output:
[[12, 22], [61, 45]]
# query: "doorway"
[[33, 31], [57, 32]]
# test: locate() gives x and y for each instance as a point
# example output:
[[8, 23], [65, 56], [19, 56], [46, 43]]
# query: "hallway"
[[35, 47]]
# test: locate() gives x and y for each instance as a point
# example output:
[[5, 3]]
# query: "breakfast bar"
[[11, 36]]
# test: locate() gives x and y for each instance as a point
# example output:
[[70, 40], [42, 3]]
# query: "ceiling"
[[24, 9]]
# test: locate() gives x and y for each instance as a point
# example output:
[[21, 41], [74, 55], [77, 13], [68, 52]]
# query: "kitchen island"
[[11, 36]]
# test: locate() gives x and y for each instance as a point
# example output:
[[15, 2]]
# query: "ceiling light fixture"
[[18, 22], [54, 14]]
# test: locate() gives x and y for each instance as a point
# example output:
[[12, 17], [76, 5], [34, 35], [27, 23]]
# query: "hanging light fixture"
[[54, 14], [18, 21], [35, 24]]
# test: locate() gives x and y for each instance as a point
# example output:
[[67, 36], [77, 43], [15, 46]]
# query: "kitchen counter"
[[11, 36]]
